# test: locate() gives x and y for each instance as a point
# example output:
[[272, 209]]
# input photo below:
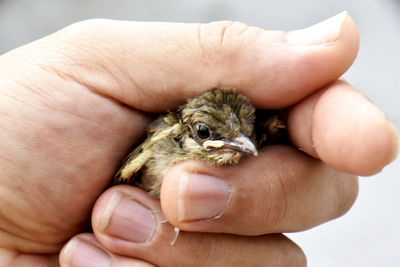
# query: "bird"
[[220, 127]]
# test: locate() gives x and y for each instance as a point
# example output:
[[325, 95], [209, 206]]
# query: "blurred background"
[[369, 235]]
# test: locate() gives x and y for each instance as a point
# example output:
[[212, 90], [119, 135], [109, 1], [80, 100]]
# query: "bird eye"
[[202, 131]]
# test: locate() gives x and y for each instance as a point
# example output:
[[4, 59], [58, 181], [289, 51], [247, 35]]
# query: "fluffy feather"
[[210, 127]]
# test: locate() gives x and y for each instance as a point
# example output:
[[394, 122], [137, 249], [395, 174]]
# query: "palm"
[[75, 142]]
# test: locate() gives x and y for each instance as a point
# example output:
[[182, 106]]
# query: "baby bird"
[[219, 127]]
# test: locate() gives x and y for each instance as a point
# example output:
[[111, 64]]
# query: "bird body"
[[217, 127]]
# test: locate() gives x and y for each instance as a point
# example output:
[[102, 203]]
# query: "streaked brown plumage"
[[219, 127]]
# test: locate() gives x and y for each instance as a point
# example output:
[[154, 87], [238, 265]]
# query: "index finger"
[[344, 129]]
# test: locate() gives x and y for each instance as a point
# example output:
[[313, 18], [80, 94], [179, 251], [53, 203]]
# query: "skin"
[[74, 103]]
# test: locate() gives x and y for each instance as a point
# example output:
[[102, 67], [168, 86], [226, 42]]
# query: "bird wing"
[[132, 164], [161, 128]]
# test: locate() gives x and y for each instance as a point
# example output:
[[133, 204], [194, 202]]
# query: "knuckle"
[[277, 210], [83, 47], [88, 26], [273, 206], [272, 197], [85, 36], [221, 41]]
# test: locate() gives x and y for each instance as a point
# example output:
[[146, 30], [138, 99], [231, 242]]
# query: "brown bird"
[[219, 127]]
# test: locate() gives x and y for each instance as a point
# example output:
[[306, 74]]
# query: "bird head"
[[219, 126]]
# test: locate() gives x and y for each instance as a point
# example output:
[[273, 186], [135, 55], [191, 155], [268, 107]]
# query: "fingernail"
[[80, 252], [323, 32], [127, 219], [202, 197]]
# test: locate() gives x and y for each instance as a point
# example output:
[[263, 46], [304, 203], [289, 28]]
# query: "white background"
[[369, 235]]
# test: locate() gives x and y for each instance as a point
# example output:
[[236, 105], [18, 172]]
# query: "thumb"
[[155, 66]]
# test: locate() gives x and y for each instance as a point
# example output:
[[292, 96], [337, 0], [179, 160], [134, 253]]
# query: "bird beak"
[[243, 144], [240, 143]]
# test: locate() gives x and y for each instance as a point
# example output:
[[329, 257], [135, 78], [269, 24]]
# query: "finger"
[[344, 129], [14, 258], [84, 251], [127, 221], [281, 190], [155, 66]]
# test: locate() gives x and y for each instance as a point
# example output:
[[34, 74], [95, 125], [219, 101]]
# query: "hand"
[[74, 103]]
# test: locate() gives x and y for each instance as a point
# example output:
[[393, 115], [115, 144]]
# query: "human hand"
[[74, 103]]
